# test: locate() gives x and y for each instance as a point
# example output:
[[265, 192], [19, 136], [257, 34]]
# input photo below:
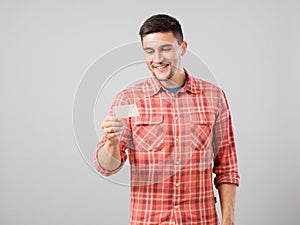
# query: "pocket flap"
[[148, 120], [202, 118]]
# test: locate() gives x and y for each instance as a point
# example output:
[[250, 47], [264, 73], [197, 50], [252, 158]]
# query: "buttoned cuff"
[[104, 171], [227, 179]]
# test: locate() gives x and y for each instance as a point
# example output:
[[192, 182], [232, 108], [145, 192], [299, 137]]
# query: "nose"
[[156, 57]]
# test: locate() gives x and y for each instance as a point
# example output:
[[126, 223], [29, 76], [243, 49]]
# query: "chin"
[[163, 76]]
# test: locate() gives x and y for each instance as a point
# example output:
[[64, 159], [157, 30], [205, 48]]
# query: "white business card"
[[125, 111]]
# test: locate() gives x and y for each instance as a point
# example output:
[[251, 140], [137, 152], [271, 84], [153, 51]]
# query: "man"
[[181, 134]]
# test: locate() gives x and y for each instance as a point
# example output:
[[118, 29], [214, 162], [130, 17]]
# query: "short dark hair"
[[162, 23]]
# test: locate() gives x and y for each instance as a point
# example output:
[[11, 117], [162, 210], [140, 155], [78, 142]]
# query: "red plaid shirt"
[[173, 147]]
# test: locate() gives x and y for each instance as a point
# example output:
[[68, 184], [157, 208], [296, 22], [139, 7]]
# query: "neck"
[[177, 80]]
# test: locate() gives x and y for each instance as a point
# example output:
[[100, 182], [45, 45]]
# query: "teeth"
[[161, 67]]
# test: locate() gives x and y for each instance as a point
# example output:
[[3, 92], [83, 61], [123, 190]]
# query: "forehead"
[[158, 39]]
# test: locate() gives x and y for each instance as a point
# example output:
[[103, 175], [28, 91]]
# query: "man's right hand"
[[112, 127]]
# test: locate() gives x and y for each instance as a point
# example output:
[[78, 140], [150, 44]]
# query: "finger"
[[112, 130], [113, 118], [113, 135], [111, 124]]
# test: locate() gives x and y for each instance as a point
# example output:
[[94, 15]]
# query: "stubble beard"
[[167, 78], [171, 74]]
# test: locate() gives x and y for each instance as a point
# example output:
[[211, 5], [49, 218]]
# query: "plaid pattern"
[[173, 147]]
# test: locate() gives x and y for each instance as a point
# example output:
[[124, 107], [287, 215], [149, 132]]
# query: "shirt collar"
[[155, 85], [191, 84]]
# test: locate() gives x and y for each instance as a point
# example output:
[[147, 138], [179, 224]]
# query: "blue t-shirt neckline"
[[174, 90]]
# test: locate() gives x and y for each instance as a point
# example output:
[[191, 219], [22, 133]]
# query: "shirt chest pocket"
[[148, 132], [201, 130]]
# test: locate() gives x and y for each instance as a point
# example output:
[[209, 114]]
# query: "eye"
[[166, 49], [149, 51]]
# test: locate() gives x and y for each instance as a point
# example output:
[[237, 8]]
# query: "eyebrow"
[[162, 46], [166, 45], [148, 48]]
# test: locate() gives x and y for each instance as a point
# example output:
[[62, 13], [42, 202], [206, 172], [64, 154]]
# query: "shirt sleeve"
[[125, 139], [225, 161]]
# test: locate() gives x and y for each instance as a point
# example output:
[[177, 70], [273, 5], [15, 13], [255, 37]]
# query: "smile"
[[161, 67]]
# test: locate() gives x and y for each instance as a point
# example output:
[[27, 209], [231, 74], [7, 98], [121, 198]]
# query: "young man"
[[182, 134]]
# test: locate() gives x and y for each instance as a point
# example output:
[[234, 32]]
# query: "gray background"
[[45, 48]]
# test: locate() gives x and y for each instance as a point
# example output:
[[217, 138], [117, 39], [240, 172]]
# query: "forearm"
[[109, 156], [227, 193]]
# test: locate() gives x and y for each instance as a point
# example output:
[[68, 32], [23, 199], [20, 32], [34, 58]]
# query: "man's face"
[[163, 54]]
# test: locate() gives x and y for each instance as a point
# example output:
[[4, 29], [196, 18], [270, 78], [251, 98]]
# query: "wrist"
[[227, 221], [111, 143]]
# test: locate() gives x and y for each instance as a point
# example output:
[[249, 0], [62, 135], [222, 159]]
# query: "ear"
[[184, 45]]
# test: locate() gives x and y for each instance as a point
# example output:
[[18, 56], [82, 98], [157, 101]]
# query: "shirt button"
[[176, 206], [177, 162], [177, 184], [177, 139], [176, 117]]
